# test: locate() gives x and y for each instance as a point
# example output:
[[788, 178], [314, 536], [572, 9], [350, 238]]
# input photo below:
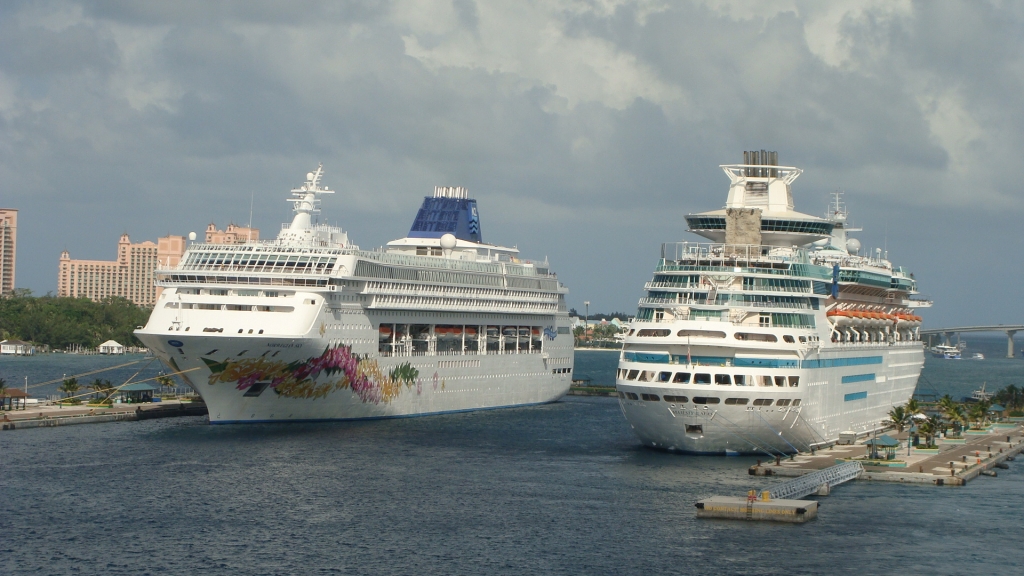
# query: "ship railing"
[[725, 303], [469, 293], [692, 251]]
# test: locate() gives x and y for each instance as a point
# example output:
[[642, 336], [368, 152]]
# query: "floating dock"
[[731, 507]]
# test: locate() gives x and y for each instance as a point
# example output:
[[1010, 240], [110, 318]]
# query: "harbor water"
[[557, 489]]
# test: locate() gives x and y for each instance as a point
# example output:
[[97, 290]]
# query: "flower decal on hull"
[[336, 369]]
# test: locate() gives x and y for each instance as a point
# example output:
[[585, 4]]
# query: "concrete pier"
[[734, 508], [953, 464], [46, 416]]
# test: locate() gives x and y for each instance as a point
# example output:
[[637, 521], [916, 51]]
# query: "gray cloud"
[[586, 132]]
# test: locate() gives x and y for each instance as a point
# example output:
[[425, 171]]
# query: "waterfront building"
[[111, 347], [232, 235], [16, 348], [130, 276], [8, 245]]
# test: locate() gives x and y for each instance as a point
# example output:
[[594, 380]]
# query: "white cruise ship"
[[773, 338], [310, 327]]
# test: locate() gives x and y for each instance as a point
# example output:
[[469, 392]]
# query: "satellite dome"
[[853, 246], [448, 241]]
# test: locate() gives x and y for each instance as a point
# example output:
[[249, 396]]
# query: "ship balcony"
[[459, 305], [766, 306]]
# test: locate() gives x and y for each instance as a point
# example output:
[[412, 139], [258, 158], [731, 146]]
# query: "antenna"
[[248, 232]]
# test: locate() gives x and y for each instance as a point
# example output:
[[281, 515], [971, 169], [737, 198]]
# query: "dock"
[[45, 416], [954, 463], [735, 508]]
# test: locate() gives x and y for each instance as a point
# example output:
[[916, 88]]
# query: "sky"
[[586, 130]]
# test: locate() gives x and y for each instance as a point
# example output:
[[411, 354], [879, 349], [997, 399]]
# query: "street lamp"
[[586, 320]]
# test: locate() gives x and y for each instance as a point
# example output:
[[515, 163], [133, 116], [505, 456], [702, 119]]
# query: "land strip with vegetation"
[[62, 322]]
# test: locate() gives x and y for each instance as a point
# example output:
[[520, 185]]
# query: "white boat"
[[776, 337], [977, 356], [310, 327], [946, 352]]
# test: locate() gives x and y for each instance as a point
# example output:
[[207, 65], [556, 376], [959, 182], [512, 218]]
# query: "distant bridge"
[[1009, 329]]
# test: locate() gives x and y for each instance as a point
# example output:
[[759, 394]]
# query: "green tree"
[[166, 382], [102, 388], [979, 413], [3, 386], [69, 387], [912, 407], [898, 418]]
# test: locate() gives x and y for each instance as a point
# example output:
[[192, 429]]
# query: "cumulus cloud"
[[586, 129]]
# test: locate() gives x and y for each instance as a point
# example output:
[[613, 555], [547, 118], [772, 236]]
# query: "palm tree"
[[912, 407], [979, 413], [102, 387], [69, 387], [928, 428], [165, 382], [898, 418], [3, 386]]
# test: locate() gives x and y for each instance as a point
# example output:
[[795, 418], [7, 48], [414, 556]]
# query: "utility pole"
[[586, 320]]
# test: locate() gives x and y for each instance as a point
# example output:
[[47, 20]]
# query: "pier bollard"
[[965, 458], [778, 460], [951, 473]]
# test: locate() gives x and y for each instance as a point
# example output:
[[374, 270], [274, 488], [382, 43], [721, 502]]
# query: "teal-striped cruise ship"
[[774, 337]]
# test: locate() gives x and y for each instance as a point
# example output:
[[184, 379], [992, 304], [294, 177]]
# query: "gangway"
[[812, 482]]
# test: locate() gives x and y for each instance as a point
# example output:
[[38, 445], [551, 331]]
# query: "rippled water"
[[557, 489]]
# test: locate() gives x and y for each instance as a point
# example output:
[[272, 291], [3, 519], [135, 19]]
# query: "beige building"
[[233, 235], [8, 248], [130, 276]]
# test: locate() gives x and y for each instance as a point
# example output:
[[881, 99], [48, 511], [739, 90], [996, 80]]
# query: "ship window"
[[723, 379], [632, 396], [763, 402], [803, 339], [681, 378], [702, 378], [664, 376], [261, 331], [701, 333], [706, 400], [622, 394], [651, 397], [794, 381], [632, 374], [677, 399], [653, 332], [694, 428], [756, 337], [736, 401], [782, 403], [780, 380], [740, 380], [796, 402], [788, 338]]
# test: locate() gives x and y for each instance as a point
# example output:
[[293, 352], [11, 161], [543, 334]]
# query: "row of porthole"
[[706, 378], [708, 400]]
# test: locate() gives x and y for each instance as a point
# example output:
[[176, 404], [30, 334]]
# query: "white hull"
[[827, 406], [441, 385]]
